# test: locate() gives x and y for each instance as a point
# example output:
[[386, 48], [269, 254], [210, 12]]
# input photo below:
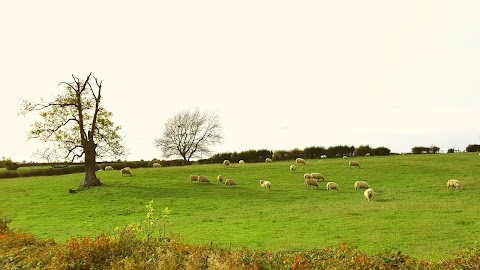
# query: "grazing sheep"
[[265, 184], [311, 182], [453, 183], [241, 161], [300, 161], [361, 185], [202, 180], [125, 171], [345, 157], [109, 168], [157, 165], [226, 163], [317, 176], [368, 194], [230, 182], [220, 179], [268, 160], [353, 164], [332, 186], [193, 178], [367, 154], [307, 176], [293, 168], [323, 156]]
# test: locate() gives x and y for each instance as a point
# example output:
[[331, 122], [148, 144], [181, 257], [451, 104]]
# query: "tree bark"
[[91, 179]]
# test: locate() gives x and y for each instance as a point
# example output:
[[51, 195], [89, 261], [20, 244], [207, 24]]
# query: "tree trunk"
[[91, 179]]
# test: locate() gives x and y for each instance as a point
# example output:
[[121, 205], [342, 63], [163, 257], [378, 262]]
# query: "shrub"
[[11, 166]]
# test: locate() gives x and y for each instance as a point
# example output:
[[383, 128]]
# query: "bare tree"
[[75, 125], [189, 134]]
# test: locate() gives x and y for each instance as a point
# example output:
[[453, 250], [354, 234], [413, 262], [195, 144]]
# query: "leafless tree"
[[189, 134]]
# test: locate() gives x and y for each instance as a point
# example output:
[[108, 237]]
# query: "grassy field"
[[412, 210]]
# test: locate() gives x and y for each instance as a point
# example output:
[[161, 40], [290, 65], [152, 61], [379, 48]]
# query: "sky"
[[280, 74]]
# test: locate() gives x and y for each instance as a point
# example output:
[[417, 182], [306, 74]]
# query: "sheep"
[[323, 156], [332, 186], [317, 176], [293, 168], [300, 161], [367, 154], [202, 180], [226, 163], [353, 164], [368, 194], [193, 178], [125, 171], [453, 183], [109, 168], [361, 185], [307, 176], [241, 161], [230, 182], [220, 179], [311, 182], [345, 157], [265, 184], [157, 165], [268, 160]]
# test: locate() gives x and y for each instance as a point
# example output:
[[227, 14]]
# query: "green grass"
[[412, 210]]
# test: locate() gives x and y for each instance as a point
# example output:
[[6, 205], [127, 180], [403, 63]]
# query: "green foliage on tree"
[[74, 125]]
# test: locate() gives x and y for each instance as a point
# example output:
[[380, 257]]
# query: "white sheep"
[[241, 161], [453, 183], [317, 176], [220, 179], [332, 186], [226, 162], [265, 184], [367, 154], [202, 180], [361, 185], [300, 161], [126, 171], [293, 168], [109, 168], [323, 156], [157, 165], [193, 178], [353, 164], [345, 157], [230, 182], [311, 182], [307, 176], [368, 194], [268, 160]]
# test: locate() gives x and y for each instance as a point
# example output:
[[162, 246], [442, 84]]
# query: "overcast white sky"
[[281, 74]]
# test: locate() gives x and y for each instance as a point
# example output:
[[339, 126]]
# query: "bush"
[[11, 166], [473, 148]]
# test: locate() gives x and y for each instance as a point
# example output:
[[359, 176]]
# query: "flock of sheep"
[[310, 179]]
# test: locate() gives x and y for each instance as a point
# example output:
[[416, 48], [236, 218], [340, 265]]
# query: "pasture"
[[412, 210]]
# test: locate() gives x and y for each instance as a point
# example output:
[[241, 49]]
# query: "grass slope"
[[412, 210]]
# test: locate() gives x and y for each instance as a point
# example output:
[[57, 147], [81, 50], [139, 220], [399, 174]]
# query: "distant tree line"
[[425, 150], [312, 152]]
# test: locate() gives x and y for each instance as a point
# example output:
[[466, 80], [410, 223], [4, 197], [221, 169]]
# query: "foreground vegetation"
[[412, 211], [128, 248]]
